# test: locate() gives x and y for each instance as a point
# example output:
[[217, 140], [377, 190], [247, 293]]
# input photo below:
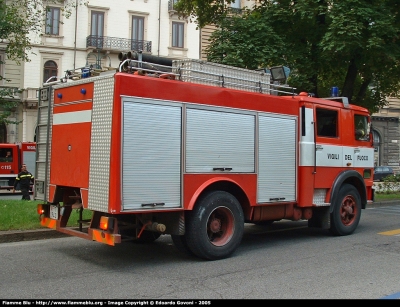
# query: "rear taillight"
[[40, 209]]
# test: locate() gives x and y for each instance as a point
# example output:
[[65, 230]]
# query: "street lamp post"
[[98, 56]]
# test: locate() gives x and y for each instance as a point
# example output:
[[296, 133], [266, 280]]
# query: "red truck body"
[[150, 156]]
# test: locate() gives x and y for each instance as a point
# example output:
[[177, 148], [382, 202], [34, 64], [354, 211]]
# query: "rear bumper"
[[91, 234]]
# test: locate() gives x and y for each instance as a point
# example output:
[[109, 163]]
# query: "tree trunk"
[[348, 86]]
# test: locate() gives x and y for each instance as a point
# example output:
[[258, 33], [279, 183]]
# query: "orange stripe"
[[47, 222], [104, 237], [74, 106]]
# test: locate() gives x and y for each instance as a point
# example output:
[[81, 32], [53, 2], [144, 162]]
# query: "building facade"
[[385, 125], [93, 35]]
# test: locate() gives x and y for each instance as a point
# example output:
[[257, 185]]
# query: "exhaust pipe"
[[139, 56], [160, 63]]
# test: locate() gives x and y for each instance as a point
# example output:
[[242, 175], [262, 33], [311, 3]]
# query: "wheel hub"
[[215, 225], [347, 211]]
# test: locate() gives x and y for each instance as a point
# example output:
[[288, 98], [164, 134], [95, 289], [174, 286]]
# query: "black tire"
[[214, 228], [346, 212], [181, 244]]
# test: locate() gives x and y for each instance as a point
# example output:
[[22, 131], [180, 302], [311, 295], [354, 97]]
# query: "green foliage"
[[238, 42], [22, 21], [8, 103], [22, 215], [351, 44], [202, 11]]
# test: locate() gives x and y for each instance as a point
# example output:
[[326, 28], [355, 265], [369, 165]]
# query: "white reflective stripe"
[[336, 155], [72, 117]]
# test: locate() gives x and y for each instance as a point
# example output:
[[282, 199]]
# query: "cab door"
[[329, 154]]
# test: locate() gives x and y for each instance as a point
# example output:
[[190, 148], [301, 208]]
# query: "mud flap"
[[320, 218]]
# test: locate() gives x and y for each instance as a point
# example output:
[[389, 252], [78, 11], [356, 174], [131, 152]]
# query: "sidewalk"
[[384, 203], [46, 233]]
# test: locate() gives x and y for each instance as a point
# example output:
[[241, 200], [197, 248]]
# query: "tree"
[[244, 41], [20, 20], [352, 44]]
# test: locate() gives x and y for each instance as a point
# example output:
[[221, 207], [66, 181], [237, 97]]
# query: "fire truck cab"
[[12, 156]]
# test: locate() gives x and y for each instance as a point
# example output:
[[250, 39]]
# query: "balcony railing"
[[10, 92], [116, 43], [171, 4], [234, 11]]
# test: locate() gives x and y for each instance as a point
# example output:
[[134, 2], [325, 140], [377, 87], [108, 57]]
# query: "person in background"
[[24, 179], [8, 157]]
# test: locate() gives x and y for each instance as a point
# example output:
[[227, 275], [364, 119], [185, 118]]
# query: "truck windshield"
[[362, 127], [6, 155]]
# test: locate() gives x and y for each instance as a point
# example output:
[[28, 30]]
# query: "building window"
[[97, 29], [53, 21], [50, 70], [137, 33], [377, 145], [235, 7], [171, 4], [178, 34], [236, 4], [1, 67]]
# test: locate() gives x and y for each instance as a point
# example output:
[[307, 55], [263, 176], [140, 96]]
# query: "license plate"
[[53, 212]]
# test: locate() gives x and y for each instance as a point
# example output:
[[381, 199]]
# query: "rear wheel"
[[346, 211], [215, 226]]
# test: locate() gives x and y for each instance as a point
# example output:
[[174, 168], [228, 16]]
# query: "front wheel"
[[346, 211], [214, 228]]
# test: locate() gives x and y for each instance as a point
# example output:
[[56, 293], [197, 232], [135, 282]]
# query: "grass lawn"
[[22, 215]]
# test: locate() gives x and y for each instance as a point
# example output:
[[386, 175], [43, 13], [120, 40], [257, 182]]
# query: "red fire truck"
[[195, 152], [12, 156]]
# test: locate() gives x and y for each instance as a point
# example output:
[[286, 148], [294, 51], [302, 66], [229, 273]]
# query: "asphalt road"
[[286, 260]]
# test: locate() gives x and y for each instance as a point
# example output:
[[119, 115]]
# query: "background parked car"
[[381, 172]]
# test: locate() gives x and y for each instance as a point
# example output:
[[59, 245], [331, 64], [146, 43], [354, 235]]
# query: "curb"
[[384, 203], [29, 235], [45, 233]]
